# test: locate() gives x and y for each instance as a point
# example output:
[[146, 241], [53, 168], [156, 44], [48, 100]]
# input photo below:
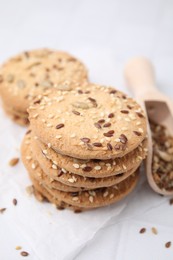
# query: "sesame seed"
[[28, 132], [92, 193], [54, 167], [97, 167], [168, 244], [28, 158], [33, 165], [154, 230], [44, 151], [71, 180], [109, 146], [137, 133], [140, 130], [14, 202], [109, 133], [30, 190], [59, 126], [49, 145], [105, 194], [2, 210], [64, 171], [76, 112], [23, 253], [142, 230], [111, 196], [85, 140], [63, 120], [140, 149], [113, 91], [132, 117], [73, 135], [13, 161], [83, 166], [49, 125], [50, 116], [18, 247], [97, 125], [35, 116], [123, 139], [124, 167], [75, 165], [92, 100], [111, 115], [102, 140], [97, 144], [58, 136], [124, 111], [60, 173], [115, 187], [107, 125], [129, 107], [31, 108], [75, 198], [139, 114], [91, 199], [87, 169], [101, 121]]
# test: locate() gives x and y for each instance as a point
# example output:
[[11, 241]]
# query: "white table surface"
[[103, 34]]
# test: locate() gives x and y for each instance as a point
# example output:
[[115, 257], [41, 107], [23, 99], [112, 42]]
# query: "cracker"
[[29, 74], [98, 123]]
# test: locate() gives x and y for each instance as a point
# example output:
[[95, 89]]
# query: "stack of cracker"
[[29, 74], [84, 146]]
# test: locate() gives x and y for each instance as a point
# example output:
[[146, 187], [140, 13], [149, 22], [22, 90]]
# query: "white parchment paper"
[[39, 228], [42, 230]]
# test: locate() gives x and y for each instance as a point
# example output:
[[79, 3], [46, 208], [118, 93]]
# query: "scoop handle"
[[140, 76]]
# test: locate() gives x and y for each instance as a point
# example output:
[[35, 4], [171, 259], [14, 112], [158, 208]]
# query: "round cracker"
[[29, 74], [70, 122]]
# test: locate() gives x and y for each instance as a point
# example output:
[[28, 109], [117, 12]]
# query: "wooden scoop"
[[140, 77]]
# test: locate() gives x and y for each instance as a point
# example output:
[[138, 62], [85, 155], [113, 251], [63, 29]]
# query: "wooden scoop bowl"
[[139, 74]]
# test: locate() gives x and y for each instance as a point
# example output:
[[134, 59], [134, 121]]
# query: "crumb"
[[154, 230]]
